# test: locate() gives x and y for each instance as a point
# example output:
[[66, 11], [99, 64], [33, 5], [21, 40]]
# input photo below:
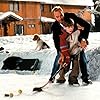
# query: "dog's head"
[[36, 37]]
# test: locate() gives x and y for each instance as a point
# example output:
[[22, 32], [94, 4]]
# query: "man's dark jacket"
[[56, 28]]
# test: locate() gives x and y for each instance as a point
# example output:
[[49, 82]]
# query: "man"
[[56, 28]]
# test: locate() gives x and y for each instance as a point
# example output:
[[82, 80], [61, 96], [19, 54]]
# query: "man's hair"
[[57, 8]]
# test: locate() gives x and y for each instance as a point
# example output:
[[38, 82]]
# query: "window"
[[14, 6], [19, 30], [52, 6], [31, 25], [42, 7]]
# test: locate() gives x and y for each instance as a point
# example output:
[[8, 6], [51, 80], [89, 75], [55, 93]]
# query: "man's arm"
[[81, 22], [56, 29]]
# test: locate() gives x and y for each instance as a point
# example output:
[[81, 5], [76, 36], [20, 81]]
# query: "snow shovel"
[[39, 89]]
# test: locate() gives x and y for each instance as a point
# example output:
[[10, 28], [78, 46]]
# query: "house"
[[97, 15], [35, 15], [6, 18]]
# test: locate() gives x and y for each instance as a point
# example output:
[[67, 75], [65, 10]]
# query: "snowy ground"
[[23, 46]]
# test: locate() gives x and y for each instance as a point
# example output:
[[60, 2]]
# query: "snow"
[[64, 2], [9, 13], [23, 46], [46, 19]]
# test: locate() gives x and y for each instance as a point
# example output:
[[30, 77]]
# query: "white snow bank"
[[23, 46]]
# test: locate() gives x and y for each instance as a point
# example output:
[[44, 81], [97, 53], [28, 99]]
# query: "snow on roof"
[[46, 19], [63, 2], [72, 2], [8, 14]]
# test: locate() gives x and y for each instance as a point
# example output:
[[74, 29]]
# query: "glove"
[[83, 43], [64, 57]]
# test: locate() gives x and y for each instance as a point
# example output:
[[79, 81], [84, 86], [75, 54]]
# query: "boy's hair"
[[69, 22], [57, 8]]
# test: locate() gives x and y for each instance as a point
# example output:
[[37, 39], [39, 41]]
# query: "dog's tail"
[[44, 44]]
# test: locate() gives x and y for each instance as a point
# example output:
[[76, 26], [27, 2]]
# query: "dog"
[[40, 43]]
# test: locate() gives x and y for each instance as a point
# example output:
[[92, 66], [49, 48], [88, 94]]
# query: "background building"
[[36, 16], [97, 16]]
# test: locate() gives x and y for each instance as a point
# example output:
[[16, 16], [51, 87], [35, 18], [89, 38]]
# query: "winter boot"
[[51, 80], [86, 82], [61, 79], [73, 81]]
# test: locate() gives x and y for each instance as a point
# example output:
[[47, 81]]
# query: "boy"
[[70, 48]]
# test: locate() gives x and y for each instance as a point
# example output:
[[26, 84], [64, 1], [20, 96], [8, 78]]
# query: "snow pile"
[[23, 46], [93, 57]]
